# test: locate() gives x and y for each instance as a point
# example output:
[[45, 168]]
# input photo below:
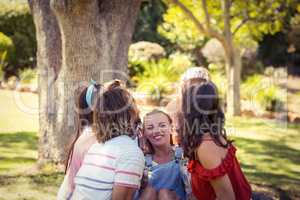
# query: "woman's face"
[[157, 129]]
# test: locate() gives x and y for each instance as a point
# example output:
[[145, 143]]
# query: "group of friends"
[[178, 153]]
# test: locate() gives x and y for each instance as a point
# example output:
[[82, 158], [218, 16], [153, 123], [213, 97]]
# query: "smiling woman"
[[158, 130], [163, 163]]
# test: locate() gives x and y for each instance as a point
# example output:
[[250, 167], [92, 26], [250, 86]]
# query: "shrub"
[[142, 52], [180, 62], [157, 79], [263, 91], [145, 51], [28, 76], [16, 22], [6, 52]]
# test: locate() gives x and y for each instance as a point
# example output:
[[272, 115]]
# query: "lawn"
[[268, 150]]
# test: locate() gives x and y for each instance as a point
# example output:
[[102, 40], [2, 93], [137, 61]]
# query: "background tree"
[[95, 37], [233, 24]]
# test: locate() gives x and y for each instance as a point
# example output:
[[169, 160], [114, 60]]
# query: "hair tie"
[[89, 93]]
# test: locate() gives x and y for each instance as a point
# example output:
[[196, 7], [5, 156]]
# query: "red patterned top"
[[230, 166]]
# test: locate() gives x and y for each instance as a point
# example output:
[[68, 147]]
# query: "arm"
[[122, 193], [64, 190], [223, 188], [129, 171], [210, 155]]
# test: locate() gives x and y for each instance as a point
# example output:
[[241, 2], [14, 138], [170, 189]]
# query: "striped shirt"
[[118, 161]]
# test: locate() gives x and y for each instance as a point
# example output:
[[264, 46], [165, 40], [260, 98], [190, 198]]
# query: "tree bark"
[[78, 40], [233, 65], [95, 39], [233, 72], [48, 64]]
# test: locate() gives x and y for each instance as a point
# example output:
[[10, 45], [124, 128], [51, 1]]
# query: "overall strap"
[[148, 159], [178, 153]]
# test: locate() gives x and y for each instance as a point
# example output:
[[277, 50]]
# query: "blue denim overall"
[[168, 175]]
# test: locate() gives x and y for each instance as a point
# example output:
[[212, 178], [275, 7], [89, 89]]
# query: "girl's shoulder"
[[211, 155]]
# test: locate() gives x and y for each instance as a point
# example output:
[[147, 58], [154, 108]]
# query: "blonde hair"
[[115, 113]]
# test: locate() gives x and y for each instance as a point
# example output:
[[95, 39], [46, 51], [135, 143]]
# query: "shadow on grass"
[[14, 162], [272, 163], [28, 139], [276, 150], [40, 179]]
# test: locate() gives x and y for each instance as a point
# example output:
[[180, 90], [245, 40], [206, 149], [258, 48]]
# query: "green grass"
[[19, 178], [20, 147], [269, 152]]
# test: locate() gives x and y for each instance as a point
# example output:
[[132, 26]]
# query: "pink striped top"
[[81, 147], [118, 161]]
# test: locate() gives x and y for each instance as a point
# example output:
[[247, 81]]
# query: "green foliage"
[[260, 17], [150, 16], [180, 62], [136, 68], [6, 52], [217, 75], [17, 23], [295, 21], [180, 30], [158, 77], [143, 52], [264, 92], [28, 75]]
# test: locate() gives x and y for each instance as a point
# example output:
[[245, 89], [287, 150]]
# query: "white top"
[[118, 161]]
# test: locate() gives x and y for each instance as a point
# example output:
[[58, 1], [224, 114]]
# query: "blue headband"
[[89, 93]]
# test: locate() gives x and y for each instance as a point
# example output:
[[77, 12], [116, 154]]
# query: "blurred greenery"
[[263, 17], [217, 75], [149, 18], [163, 23], [264, 92], [16, 22], [6, 52], [158, 78], [28, 75]]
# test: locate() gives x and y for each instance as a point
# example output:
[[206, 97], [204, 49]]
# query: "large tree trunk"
[[79, 41], [95, 39], [48, 64]]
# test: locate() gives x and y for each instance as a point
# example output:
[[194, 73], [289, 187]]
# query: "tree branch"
[[208, 32], [227, 29], [187, 12], [207, 16], [244, 21]]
